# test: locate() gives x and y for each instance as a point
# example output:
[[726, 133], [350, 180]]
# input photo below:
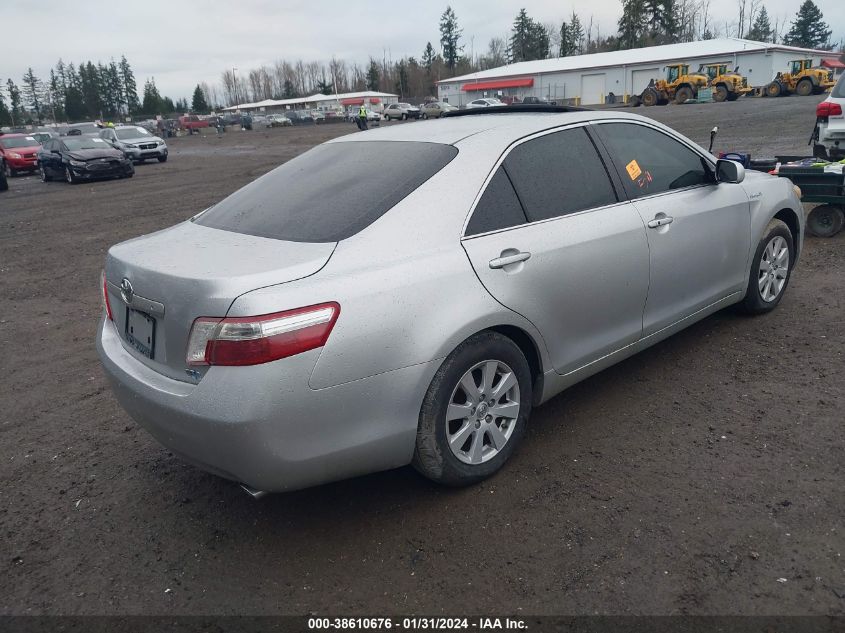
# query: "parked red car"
[[192, 123], [19, 152]]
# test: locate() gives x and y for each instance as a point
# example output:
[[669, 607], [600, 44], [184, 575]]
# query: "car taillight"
[[106, 303], [260, 339], [828, 108]]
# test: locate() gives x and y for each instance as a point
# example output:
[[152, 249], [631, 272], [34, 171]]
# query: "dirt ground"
[[703, 476]]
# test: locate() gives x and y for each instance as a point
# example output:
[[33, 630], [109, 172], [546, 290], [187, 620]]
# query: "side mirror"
[[729, 171]]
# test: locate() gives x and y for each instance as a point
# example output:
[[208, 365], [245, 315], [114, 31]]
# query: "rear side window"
[[559, 173], [839, 89], [330, 192], [651, 162], [498, 208]]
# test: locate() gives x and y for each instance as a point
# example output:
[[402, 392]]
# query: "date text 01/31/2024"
[[416, 624]]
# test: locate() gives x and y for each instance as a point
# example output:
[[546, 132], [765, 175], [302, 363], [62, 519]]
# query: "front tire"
[[474, 412], [43, 173], [162, 159], [721, 94], [10, 173], [69, 177], [683, 95], [771, 269], [804, 88], [774, 89]]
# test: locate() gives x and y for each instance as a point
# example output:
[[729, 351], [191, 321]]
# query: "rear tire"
[[770, 271], [460, 439], [804, 88], [826, 220]]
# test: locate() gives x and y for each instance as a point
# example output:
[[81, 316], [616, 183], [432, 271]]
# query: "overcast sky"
[[183, 43]]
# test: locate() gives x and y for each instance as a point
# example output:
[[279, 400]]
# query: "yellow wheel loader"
[[679, 86], [728, 85], [802, 79]]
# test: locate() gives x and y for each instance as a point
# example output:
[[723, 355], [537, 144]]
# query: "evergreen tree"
[[632, 24], [761, 30], [576, 34], [152, 103], [130, 89], [5, 115], [15, 109], [74, 99], [168, 107], [529, 39], [198, 103], [808, 29], [56, 96], [89, 80], [33, 92], [324, 86], [182, 105], [288, 91], [373, 76], [450, 35], [402, 78], [428, 56]]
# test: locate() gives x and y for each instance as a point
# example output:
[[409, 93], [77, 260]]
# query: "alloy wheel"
[[482, 412], [774, 268]]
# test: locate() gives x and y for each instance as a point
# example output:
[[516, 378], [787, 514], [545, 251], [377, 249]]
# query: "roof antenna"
[[713, 134]]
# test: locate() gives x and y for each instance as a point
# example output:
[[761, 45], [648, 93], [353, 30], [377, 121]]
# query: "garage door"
[[592, 89], [641, 78]]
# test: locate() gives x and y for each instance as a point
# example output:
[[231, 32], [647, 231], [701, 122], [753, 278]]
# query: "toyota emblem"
[[126, 292]]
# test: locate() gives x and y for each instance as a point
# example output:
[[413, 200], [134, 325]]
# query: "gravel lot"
[[688, 479]]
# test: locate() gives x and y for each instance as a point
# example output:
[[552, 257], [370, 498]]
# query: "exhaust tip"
[[252, 492]]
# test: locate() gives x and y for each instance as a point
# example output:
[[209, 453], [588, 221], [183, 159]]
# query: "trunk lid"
[[188, 271]]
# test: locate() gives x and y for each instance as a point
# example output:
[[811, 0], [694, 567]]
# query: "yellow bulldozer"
[[802, 79], [679, 86], [728, 85]]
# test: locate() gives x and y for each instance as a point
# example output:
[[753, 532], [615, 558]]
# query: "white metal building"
[[589, 79], [373, 100]]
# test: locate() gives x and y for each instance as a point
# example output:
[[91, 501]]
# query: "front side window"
[[559, 173], [651, 162]]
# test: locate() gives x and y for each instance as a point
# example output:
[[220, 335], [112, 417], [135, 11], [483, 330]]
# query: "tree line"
[[84, 91], [108, 91], [642, 23]]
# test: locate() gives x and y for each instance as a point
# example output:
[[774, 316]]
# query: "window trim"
[[601, 137], [621, 197]]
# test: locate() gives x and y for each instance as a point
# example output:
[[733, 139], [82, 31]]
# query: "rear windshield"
[[839, 88], [330, 192]]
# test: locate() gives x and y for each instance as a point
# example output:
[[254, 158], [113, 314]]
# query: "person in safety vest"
[[362, 117]]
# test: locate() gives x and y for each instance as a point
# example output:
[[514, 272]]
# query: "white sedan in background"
[[485, 103]]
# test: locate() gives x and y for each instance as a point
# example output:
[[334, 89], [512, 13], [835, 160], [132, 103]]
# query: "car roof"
[[498, 124]]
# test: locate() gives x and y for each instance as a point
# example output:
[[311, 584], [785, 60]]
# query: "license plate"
[[140, 332]]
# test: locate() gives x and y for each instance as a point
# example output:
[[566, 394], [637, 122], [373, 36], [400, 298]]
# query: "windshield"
[[83, 142], [18, 141], [131, 132], [330, 192]]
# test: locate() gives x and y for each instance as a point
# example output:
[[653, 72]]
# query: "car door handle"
[[658, 222], [501, 262]]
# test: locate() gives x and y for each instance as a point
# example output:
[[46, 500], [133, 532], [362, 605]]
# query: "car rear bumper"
[[832, 136], [264, 426]]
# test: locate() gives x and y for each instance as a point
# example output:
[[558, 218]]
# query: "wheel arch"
[[528, 346], [790, 218]]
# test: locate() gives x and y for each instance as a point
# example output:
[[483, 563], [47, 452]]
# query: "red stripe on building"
[[523, 82]]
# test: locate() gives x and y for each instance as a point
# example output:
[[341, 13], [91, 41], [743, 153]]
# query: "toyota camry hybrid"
[[407, 295]]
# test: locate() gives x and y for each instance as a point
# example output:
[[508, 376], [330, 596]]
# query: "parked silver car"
[[436, 109], [408, 295], [135, 142]]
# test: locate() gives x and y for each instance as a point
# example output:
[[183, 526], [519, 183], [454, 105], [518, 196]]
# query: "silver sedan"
[[408, 295]]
